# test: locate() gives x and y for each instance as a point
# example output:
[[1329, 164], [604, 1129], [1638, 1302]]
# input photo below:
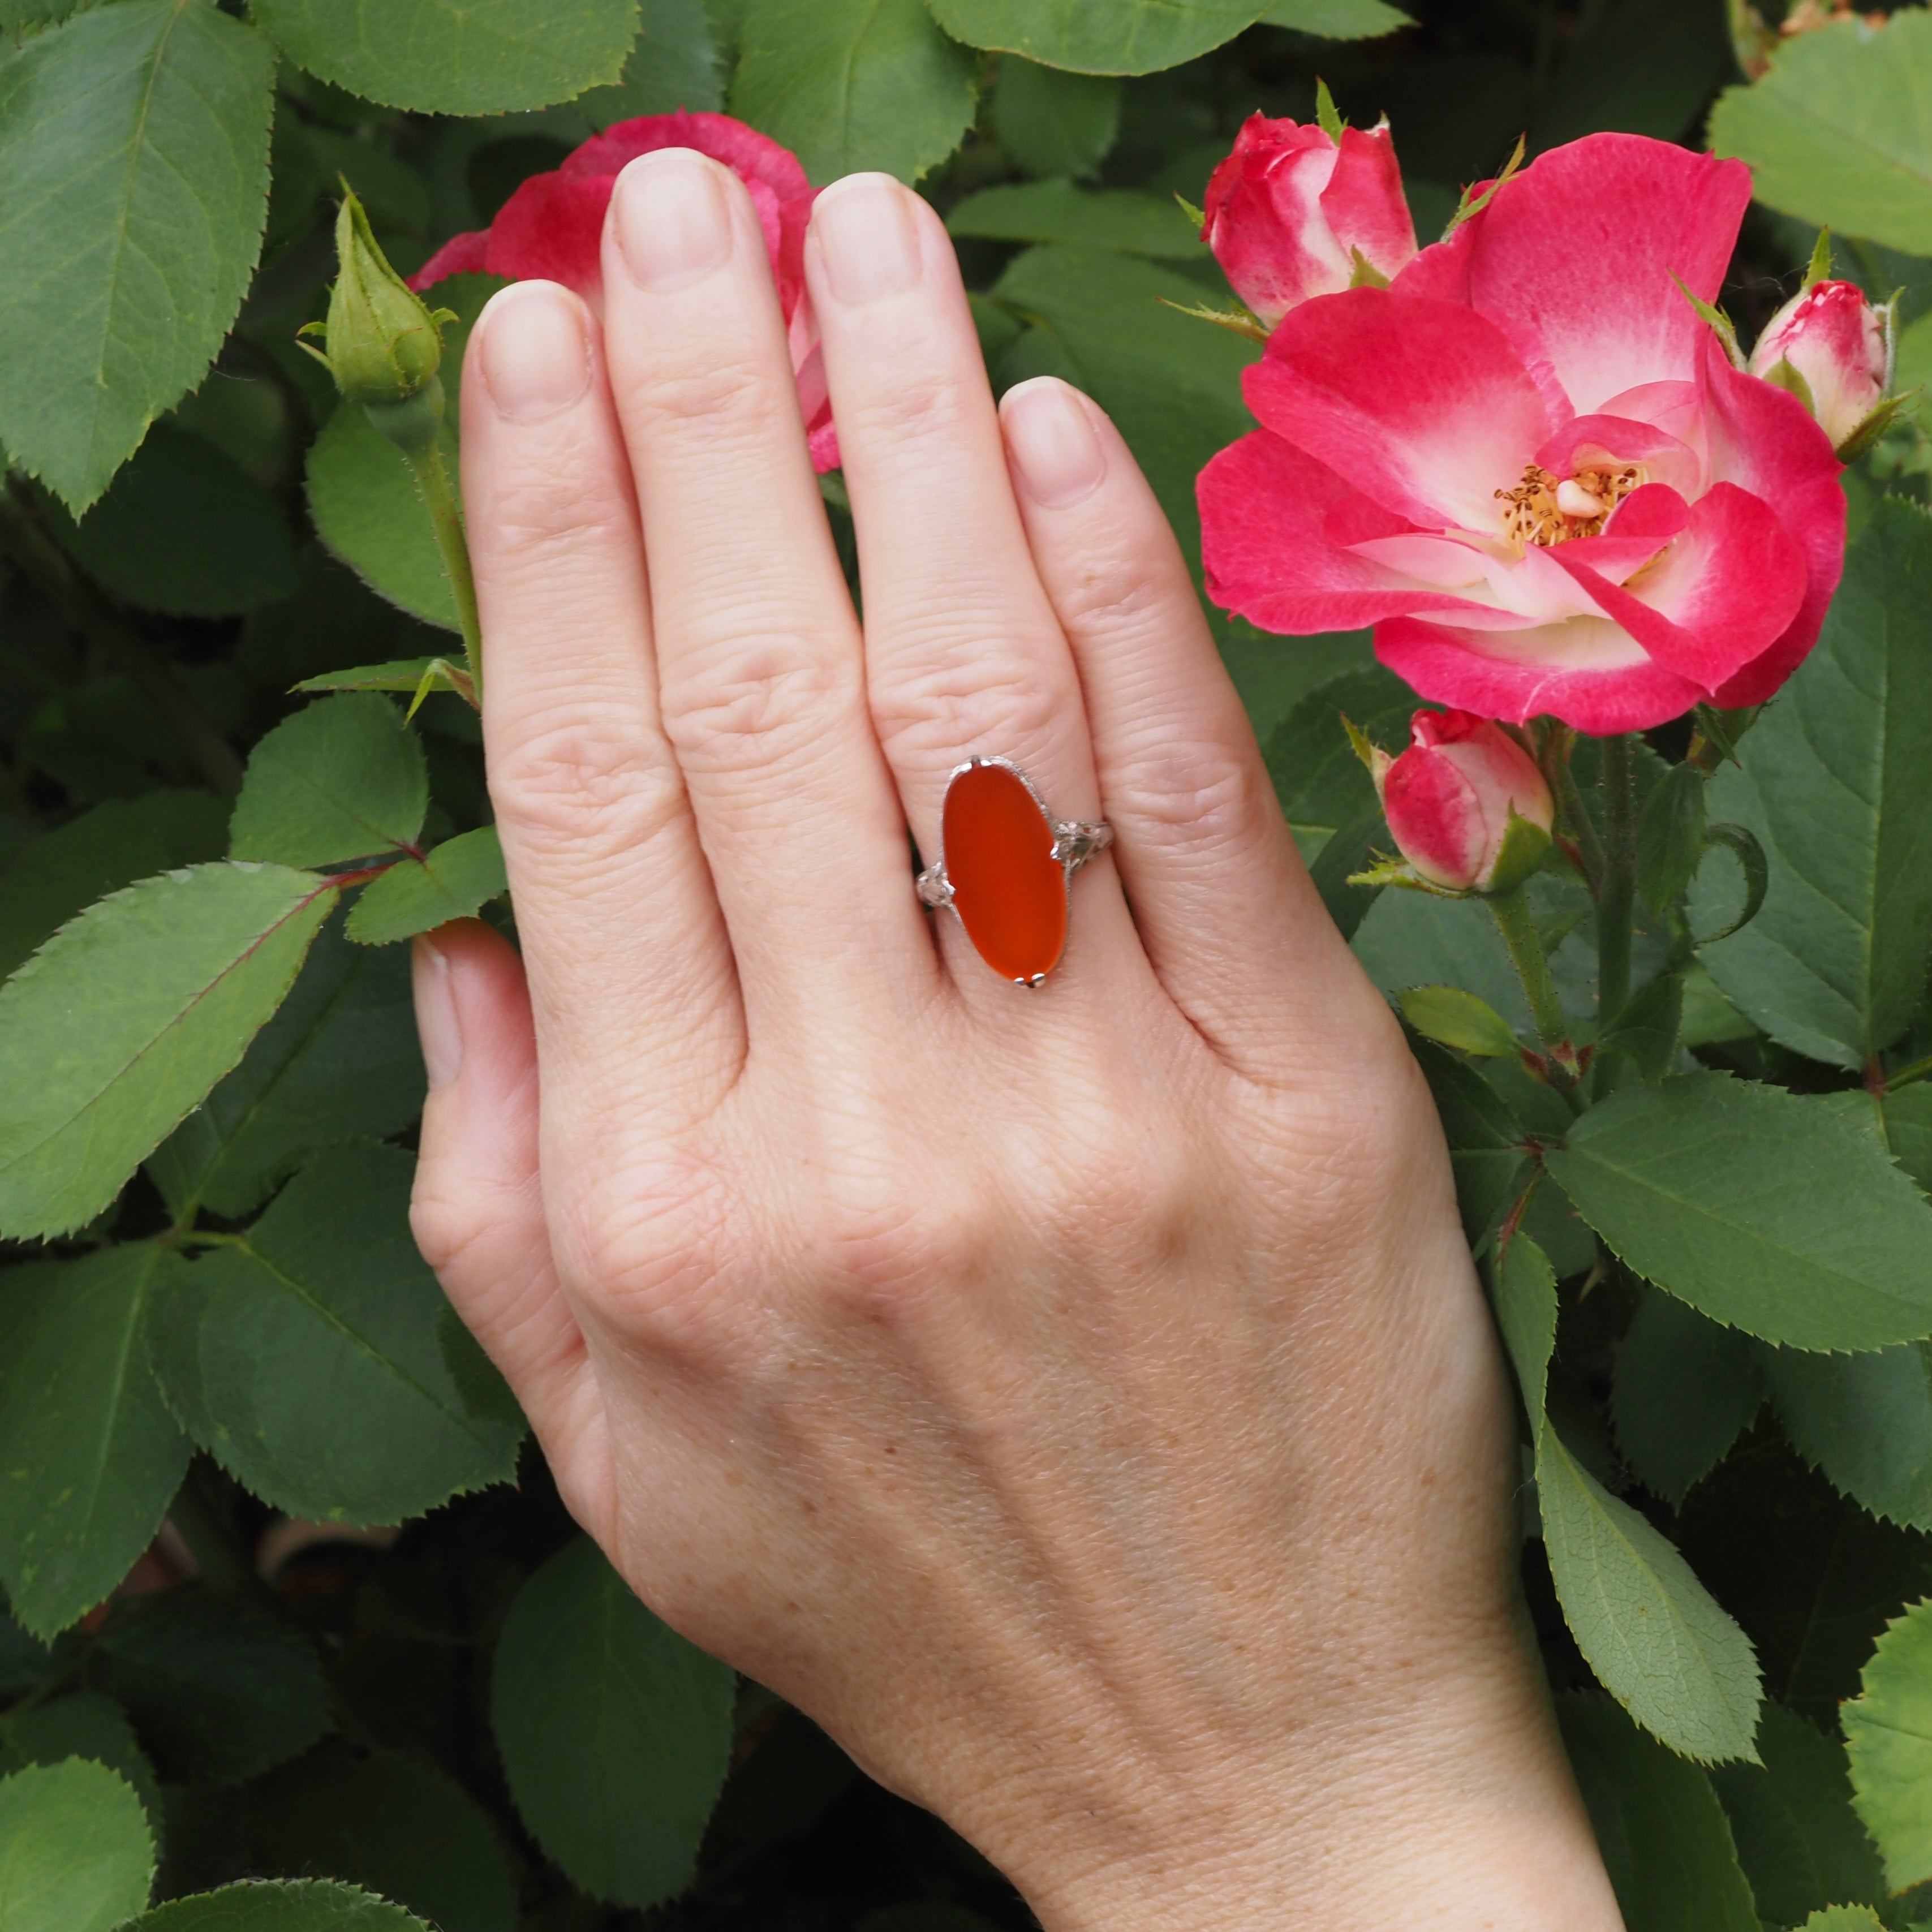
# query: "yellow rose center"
[[1544, 508]]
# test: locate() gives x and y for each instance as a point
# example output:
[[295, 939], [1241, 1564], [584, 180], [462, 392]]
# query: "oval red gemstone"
[[1008, 889]]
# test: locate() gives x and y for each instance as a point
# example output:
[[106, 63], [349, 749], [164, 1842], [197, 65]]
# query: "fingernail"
[[865, 234], [673, 223], [437, 1024], [1054, 448], [536, 357]]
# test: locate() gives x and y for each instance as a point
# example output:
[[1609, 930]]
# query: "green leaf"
[[367, 511], [82, 1724], [1098, 36], [361, 495], [1486, 1139], [1686, 1388], [1865, 1421], [1052, 122], [402, 1829], [1836, 783], [1798, 1839], [50, 879], [450, 882], [342, 778], [615, 1732], [314, 1905], [338, 1062], [852, 84], [125, 1018], [1337, 19], [1411, 939], [1651, 1631], [407, 674], [134, 144], [1908, 1127], [457, 56], [1670, 838], [1836, 132], [1646, 1030], [1665, 1839], [1345, 855], [76, 1853], [1113, 218], [89, 1456], [1639, 67], [674, 64], [305, 1355], [1456, 1018], [183, 529], [1768, 1212], [1844, 1918], [219, 1689], [1526, 1301], [1321, 782], [1172, 385], [1888, 1734]]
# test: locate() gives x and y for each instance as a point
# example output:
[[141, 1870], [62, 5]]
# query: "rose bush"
[[1530, 465], [285, 1593]]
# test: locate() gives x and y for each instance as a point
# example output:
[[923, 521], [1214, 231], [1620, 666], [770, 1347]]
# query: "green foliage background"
[[294, 1622]]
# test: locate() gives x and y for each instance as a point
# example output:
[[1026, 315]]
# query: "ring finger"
[[964, 655]]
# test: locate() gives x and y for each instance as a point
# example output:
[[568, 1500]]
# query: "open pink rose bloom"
[[552, 229], [1532, 467]]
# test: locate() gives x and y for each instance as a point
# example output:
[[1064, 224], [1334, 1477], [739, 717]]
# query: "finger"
[[1225, 906], [759, 667], [477, 1212], [963, 655], [630, 973]]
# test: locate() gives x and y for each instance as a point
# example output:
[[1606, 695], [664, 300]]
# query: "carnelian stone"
[[1008, 889]]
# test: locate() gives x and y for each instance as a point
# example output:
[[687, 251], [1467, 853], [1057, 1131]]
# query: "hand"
[[1079, 1401]]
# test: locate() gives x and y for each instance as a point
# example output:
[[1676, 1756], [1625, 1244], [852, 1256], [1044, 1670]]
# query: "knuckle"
[[1202, 795], [914, 413], [759, 699], [550, 514], [577, 774], [654, 1242], [957, 689], [717, 392]]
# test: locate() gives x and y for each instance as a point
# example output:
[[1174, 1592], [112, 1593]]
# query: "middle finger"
[[759, 665]]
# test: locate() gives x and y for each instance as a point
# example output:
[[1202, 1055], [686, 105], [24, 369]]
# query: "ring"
[[1006, 866]]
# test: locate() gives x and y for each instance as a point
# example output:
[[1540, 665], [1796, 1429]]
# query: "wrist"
[[1456, 1800]]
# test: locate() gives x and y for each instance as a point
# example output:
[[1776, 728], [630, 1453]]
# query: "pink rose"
[[1449, 799], [1833, 350], [1532, 467], [1288, 210], [552, 228]]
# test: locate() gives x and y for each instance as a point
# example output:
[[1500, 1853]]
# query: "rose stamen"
[[1544, 509]]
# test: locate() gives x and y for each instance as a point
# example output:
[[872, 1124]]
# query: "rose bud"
[[1833, 350], [1292, 213], [384, 346], [1465, 803]]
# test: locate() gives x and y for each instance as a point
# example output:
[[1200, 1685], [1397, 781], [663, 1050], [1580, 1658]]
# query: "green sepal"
[[1366, 274], [1394, 871], [1818, 269], [1332, 124], [1472, 203], [1781, 375], [1876, 424], [1198, 216], [1243, 321], [1726, 329], [1525, 847]]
